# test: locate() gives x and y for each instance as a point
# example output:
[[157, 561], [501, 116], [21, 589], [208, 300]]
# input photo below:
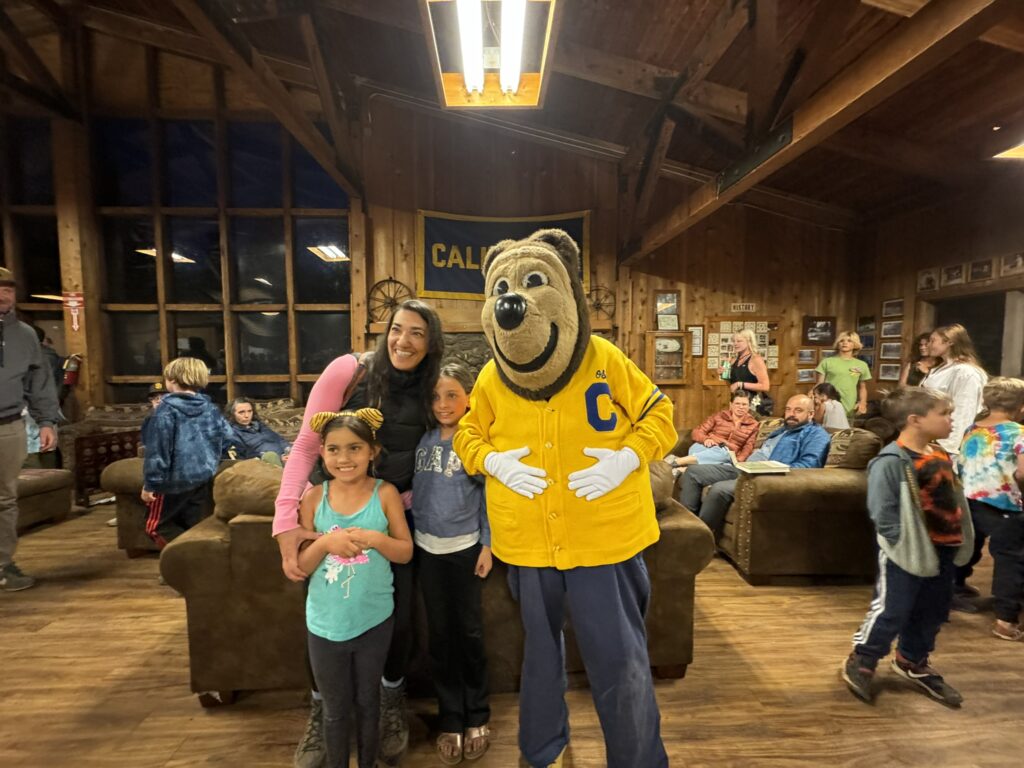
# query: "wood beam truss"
[[939, 30], [39, 86], [1009, 34], [237, 53]]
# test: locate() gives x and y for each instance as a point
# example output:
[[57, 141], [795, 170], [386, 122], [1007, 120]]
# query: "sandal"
[[1006, 631], [449, 748], [477, 741]]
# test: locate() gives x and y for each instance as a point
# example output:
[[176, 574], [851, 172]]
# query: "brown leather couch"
[[246, 622], [807, 523], [43, 495]]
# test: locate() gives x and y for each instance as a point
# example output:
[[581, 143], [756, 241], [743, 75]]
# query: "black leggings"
[[402, 636], [349, 674]]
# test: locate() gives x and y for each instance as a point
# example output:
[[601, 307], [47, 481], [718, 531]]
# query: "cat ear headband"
[[371, 417]]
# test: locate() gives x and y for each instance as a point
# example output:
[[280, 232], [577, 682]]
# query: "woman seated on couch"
[[828, 407], [251, 438], [734, 428]]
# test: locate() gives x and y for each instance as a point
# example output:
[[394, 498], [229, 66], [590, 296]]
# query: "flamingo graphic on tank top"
[[343, 567]]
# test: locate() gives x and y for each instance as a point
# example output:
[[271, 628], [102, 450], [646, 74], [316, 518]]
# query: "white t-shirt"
[[834, 416], [964, 383]]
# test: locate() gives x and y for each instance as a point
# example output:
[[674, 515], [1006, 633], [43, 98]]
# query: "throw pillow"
[[853, 448]]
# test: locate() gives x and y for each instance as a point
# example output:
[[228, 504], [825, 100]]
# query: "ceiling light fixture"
[[1013, 153], [263, 280], [174, 256], [328, 253], [996, 127], [513, 26], [471, 39], [47, 296]]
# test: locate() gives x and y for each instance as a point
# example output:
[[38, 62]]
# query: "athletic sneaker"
[[13, 580], [311, 752], [394, 728], [929, 679], [859, 672]]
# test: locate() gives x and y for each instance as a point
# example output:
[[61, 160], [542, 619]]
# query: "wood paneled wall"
[[967, 228]]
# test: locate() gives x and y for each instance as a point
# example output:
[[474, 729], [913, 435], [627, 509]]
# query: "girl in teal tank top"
[[362, 527]]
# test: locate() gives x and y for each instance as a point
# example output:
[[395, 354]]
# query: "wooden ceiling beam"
[[904, 156], [53, 10], [818, 45], [392, 13], [764, 59], [15, 86], [732, 19], [1009, 34], [182, 42], [237, 53], [28, 61], [647, 80], [648, 178], [938, 31]]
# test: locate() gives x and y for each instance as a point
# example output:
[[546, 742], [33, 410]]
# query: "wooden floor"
[[94, 672]]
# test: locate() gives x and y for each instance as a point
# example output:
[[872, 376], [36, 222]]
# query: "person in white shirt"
[[828, 407], [959, 375]]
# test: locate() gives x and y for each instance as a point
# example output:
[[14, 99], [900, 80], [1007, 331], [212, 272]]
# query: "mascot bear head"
[[537, 334]]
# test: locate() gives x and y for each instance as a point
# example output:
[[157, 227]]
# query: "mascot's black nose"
[[509, 310]]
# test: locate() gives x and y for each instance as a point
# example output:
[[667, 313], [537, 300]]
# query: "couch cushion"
[[662, 483], [33, 481], [246, 488], [853, 448], [766, 428]]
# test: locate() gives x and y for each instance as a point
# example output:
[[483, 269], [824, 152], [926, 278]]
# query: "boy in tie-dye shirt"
[[992, 467]]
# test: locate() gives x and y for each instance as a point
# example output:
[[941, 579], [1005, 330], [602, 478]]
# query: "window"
[[201, 335], [30, 162], [129, 256], [312, 187], [257, 253], [195, 260], [262, 342], [36, 238], [190, 169], [135, 344], [323, 336], [322, 268], [255, 157], [123, 162]]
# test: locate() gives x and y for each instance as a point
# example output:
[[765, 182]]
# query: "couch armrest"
[[124, 476], [811, 490], [255, 557], [686, 545], [198, 561]]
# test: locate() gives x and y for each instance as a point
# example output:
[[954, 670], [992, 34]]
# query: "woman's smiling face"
[[408, 339]]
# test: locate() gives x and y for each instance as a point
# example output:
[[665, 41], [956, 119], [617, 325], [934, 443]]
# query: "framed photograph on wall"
[[868, 358], [866, 324], [892, 329], [666, 303], [891, 350], [1012, 264], [928, 280], [953, 275], [892, 308], [889, 372], [806, 376], [668, 356], [819, 331], [696, 340], [827, 353], [867, 340], [668, 322], [981, 270], [806, 356]]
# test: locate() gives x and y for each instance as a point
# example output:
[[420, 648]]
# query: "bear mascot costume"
[[563, 425]]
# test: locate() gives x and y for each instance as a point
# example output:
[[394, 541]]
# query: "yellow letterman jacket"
[[608, 403]]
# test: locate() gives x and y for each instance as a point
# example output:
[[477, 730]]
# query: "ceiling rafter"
[[939, 30], [764, 56], [1009, 34], [237, 53], [39, 84]]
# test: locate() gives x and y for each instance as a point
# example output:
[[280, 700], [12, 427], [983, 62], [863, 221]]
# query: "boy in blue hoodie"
[[923, 531], [184, 440]]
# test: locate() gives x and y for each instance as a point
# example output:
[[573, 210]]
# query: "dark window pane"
[[323, 336], [129, 255], [264, 390], [200, 334], [195, 260], [36, 238], [123, 162], [129, 393], [135, 343], [262, 342], [312, 187], [255, 156], [321, 274], [257, 252], [31, 161], [190, 171]]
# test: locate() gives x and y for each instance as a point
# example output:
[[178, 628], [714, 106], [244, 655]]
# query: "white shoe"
[[112, 522]]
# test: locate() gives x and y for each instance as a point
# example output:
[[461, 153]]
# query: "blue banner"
[[451, 248]]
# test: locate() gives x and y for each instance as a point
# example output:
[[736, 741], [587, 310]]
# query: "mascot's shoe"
[[394, 727], [556, 764], [311, 752]]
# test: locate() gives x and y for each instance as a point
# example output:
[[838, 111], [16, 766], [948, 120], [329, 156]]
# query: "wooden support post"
[[223, 180], [935, 33], [357, 253]]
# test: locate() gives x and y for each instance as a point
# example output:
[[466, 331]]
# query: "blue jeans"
[[912, 608], [705, 455], [607, 605]]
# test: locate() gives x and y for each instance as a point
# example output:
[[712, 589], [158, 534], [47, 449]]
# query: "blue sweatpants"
[[607, 605], [909, 607]]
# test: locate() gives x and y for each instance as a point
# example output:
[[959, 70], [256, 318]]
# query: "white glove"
[[511, 472], [606, 475]]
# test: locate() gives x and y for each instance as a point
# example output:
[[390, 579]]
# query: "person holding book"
[[798, 443]]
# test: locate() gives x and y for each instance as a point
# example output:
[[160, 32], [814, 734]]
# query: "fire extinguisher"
[[71, 366]]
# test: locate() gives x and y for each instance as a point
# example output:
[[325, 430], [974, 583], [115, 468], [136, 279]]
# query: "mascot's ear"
[[565, 245], [494, 251]]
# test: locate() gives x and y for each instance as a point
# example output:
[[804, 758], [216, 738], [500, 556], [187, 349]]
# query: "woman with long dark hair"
[[919, 364], [398, 380]]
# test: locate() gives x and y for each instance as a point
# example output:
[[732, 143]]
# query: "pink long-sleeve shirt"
[[328, 394]]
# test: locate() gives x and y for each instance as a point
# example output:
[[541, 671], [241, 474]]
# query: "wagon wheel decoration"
[[602, 302], [384, 297]]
